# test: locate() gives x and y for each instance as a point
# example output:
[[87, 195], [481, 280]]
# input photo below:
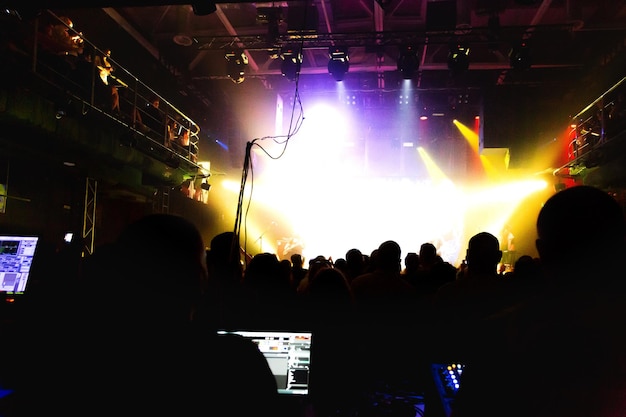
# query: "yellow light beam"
[[490, 169], [469, 134], [433, 170]]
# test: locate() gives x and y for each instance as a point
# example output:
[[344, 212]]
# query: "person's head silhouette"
[[162, 263], [389, 256], [483, 253], [578, 229]]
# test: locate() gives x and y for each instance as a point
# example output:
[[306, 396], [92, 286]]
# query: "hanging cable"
[[295, 123]]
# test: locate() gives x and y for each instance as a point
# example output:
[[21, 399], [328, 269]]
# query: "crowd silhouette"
[[154, 299], [132, 337]]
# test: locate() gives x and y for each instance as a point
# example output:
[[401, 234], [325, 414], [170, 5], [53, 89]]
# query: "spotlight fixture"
[[339, 62], [519, 56], [292, 59], [236, 64], [458, 57], [408, 62]]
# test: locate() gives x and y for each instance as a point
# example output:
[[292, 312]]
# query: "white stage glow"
[[344, 183]]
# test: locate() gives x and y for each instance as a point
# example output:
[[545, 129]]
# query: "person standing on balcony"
[[153, 119], [108, 82]]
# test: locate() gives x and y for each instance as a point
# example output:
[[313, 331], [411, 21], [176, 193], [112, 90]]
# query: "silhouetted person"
[[355, 263], [464, 304], [132, 345], [433, 271], [330, 299], [153, 119], [298, 271], [481, 290], [106, 84], [315, 265], [60, 44], [383, 289], [341, 264], [328, 309], [411, 267], [563, 351], [269, 292], [225, 270], [384, 304], [527, 278]]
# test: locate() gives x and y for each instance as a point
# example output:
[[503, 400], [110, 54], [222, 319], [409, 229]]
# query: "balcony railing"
[[52, 49], [596, 133]]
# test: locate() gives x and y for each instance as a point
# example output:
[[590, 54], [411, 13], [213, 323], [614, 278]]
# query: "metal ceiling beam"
[[326, 15], [231, 30], [391, 68], [72, 4], [113, 14], [476, 35]]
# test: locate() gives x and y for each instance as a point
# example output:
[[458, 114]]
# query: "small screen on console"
[[288, 355], [16, 259]]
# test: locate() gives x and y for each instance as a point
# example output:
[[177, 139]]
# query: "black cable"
[[234, 253], [295, 123]]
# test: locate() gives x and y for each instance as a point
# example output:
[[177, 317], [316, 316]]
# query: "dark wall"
[[523, 118]]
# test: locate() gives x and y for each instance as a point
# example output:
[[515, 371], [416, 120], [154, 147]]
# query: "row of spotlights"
[[339, 61]]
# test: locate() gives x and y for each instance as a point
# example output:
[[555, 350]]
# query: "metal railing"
[[66, 59], [600, 121]]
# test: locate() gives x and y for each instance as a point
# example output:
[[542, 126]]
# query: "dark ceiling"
[[563, 35], [574, 45]]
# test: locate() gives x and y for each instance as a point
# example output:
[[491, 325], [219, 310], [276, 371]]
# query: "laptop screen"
[[288, 354], [16, 259]]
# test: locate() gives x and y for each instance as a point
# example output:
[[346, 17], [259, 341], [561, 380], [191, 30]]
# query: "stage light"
[[338, 62], [458, 57], [519, 56], [292, 59], [236, 63], [408, 62]]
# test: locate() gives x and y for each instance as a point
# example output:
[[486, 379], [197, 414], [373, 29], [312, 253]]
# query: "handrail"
[[601, 124], [75, 65], [596, 120], [599, 99]]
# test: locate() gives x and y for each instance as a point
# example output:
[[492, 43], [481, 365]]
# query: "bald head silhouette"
[[580, 227], [483, 253]]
